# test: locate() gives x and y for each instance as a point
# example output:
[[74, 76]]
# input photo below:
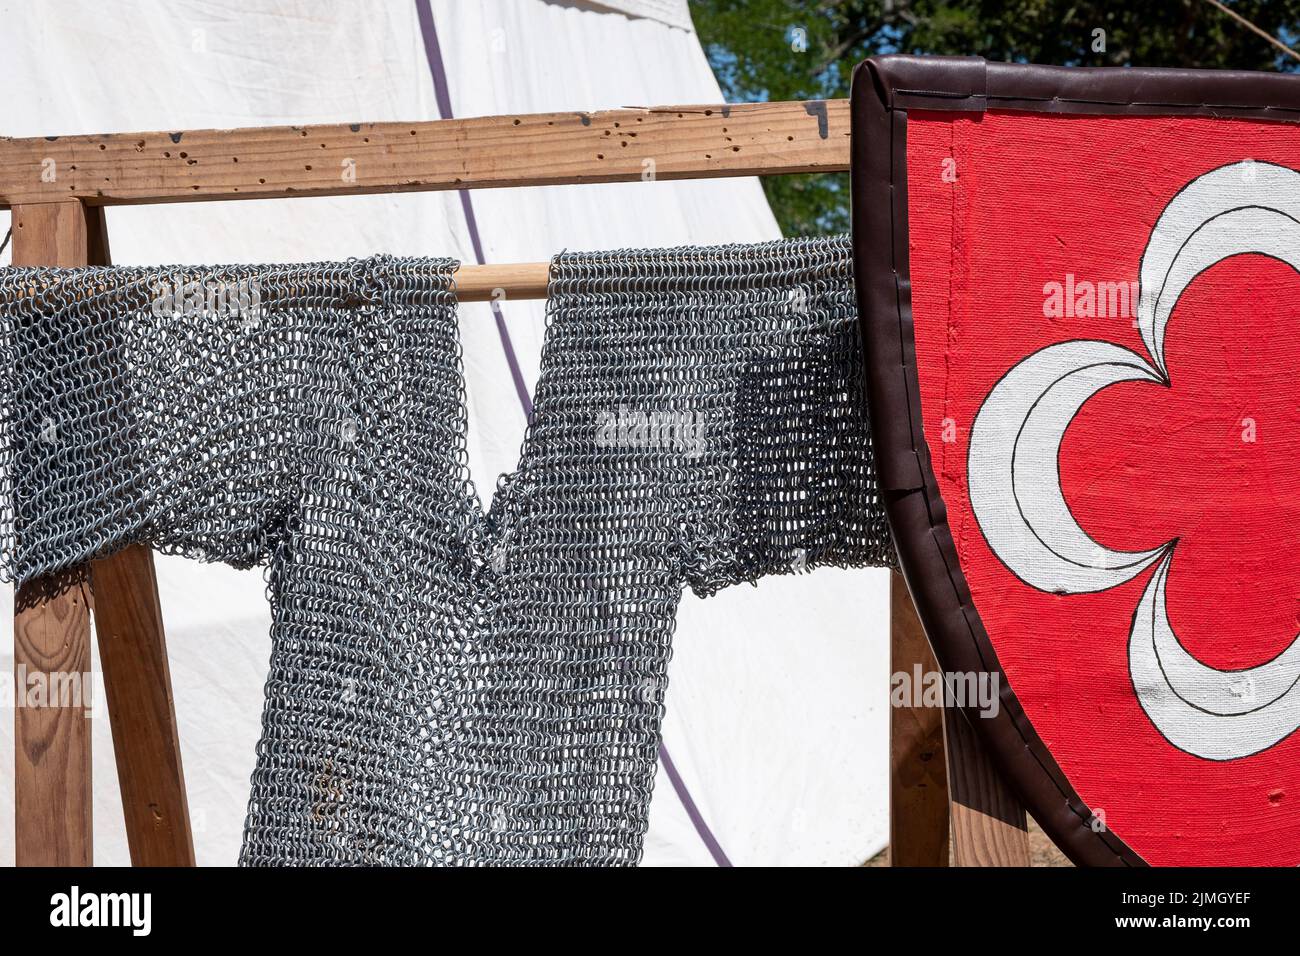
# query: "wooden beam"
[[988, 820], [52, 791], [530, 149], [137, 680], [918, 779]]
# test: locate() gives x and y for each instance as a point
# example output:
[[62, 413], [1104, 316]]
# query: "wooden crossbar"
[[524, 280], [473, 283], [532, 149]]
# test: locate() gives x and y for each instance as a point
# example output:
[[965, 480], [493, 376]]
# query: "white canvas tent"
[[775, 736]]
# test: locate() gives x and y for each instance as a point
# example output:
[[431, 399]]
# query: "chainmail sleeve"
[[740, 368], [180, 407]]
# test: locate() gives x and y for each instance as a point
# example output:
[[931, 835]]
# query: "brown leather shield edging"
[[884, 88]]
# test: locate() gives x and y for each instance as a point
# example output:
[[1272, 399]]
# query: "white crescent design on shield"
[[1015, 482]]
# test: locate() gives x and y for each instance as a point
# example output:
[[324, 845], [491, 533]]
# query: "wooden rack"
[[58, 220]]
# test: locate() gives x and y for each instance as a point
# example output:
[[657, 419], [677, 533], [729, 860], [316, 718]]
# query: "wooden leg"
[[137, 679], [988, 820], [918, 779], [52, 792]]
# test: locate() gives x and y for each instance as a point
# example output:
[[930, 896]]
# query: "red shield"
[[1078, 296]]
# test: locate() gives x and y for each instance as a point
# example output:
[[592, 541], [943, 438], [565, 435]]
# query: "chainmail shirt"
[[447, 685]]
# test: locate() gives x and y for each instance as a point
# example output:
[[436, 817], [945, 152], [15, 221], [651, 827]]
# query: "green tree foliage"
[[806, 49]]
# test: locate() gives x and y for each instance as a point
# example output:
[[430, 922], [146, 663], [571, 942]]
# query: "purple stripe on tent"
[[697, 818], [442, 93]]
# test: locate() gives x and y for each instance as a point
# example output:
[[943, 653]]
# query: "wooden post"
[[52, 792], [918, 779], [988, 820], [137, 680]]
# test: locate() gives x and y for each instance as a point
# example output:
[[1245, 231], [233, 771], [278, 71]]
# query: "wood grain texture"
[[988, 820], [52, 772], [137, 680], [918, 778], [50, 234], [627, 145]]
